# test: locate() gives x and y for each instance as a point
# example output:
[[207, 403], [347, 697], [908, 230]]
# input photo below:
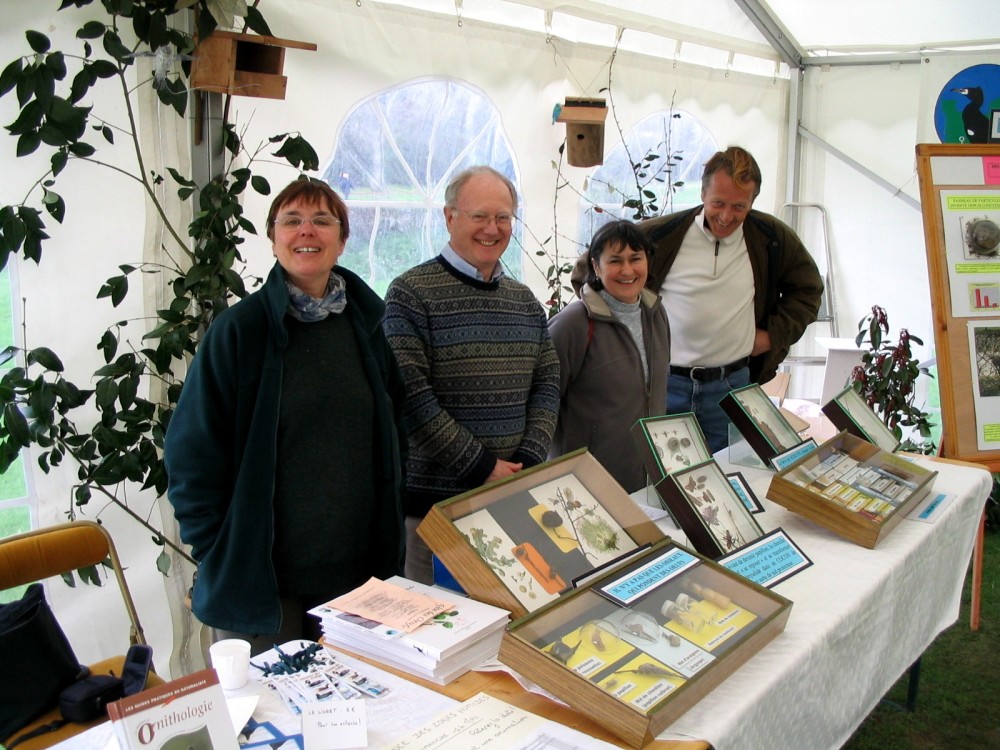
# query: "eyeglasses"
[[483, 219], [320, 221]]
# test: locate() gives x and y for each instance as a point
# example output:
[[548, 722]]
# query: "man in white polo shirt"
[[739, 288]]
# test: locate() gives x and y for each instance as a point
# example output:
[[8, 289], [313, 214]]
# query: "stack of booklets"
[[448, 645]]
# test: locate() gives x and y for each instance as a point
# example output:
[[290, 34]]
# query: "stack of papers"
[[464, 635]]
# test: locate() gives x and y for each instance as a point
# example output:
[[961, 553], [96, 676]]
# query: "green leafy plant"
[[654, 188], [886, 379], [205, 270]]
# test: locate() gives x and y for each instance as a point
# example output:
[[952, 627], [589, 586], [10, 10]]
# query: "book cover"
[[464, 624], [188, 713]]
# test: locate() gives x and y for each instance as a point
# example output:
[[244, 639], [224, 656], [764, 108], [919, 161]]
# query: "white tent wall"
[[104, 227], [870, 113], [364, 50]]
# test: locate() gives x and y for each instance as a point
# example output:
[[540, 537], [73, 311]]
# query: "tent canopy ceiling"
[[791, 31]]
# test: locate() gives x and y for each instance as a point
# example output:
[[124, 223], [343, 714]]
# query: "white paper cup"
[[231, 661]]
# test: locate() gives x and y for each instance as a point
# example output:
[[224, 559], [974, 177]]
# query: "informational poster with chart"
[[984, 344], [960, 199], [971, 223]]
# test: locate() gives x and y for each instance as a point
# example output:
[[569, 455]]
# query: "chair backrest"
[[34, 555]]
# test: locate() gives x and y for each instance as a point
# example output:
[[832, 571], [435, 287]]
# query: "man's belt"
[[706, 374]]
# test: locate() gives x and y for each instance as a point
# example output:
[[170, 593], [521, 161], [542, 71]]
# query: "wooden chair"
[[36, 555]]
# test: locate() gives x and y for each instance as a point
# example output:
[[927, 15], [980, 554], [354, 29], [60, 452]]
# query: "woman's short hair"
[[619, 233], [311, 192]]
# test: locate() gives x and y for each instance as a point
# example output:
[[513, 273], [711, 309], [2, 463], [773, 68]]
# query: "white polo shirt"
[[708, 295]]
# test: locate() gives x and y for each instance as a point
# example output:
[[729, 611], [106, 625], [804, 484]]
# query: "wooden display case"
[[853, 488], [669, 443], [848, 411], [759, 421], [638, 646], [520, 543], [705, 505]]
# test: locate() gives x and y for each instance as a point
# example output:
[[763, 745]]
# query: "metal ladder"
[[792, 214]]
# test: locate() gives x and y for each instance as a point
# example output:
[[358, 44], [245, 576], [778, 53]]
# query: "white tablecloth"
[[860, 618]]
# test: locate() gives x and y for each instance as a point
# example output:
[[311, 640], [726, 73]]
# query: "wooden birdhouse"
[[242, 64], [584, 118]]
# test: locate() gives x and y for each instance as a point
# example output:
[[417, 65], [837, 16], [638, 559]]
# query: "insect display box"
[[759, 421], [853, 488], [613, 617], [641, 643], [521, 542]]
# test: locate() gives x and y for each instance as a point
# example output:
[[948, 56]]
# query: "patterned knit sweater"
[[482, 378]]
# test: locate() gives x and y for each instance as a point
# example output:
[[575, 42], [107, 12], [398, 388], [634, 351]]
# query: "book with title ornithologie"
[[188, 713]]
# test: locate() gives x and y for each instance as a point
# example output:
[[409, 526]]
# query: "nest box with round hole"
[[584, 118]]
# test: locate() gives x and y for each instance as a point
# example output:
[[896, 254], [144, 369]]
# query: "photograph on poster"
[[981, 235], [971, 228], [984, 357]]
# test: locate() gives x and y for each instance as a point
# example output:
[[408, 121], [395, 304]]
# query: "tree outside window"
[[393, 159], [664, 155]]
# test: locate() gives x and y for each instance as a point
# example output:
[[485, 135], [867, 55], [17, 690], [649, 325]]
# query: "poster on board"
[[971, 223], [984, 347]]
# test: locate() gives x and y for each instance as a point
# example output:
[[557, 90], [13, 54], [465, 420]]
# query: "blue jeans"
[[684, 394]]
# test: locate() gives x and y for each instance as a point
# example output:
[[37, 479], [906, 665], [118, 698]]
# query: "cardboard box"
[[640, 645], [853, 488], [521, 542]]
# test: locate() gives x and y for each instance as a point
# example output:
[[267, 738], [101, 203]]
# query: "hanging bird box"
[[584, 118], [242, 64]]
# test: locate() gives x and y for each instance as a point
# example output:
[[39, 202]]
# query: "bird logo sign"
[[968, 107]]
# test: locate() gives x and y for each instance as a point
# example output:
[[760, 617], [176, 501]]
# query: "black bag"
[[89, 698], [38, 661]]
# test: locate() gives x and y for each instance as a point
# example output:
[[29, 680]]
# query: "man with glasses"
[[482, 376]]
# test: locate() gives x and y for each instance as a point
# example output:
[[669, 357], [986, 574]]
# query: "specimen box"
[[852, 487]]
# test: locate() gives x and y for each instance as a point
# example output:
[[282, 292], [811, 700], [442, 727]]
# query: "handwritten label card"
[[487, 723], [335, 725], [390, 605]]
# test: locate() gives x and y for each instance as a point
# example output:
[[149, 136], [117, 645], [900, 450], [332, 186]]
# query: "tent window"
[[678, 140], [15, 512], [393, 159]]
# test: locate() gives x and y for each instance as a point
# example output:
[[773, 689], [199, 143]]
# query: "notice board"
[[960, 199]]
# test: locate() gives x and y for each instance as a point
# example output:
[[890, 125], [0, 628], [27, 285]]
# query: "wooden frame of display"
[[848, 411], [759, 421], [962, 169], [874, 489], [655, 436], [521, 542], [639, 646], [700, 498]]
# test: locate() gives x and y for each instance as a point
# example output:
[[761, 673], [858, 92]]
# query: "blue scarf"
[[309, 309]]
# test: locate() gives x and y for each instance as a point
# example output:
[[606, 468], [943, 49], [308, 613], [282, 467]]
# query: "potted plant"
[[886, 379]]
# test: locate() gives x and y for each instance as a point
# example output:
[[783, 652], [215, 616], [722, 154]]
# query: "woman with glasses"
[[613, 345], [285, 451]]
